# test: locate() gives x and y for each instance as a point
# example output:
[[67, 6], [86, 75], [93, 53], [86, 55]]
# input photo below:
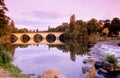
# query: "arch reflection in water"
[[50, 38], [64, 38], [75, 47], [38, 38], [13, 38]]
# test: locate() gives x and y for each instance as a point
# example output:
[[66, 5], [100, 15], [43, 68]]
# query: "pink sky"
[[39, 14]]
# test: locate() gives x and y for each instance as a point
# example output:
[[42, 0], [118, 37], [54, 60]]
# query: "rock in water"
[[103, 70], [53, 73]]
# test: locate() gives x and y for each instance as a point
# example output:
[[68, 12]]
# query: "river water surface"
[[35, 59]]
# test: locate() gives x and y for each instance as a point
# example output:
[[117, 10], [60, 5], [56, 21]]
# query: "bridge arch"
[[41, 35], [38, 38]]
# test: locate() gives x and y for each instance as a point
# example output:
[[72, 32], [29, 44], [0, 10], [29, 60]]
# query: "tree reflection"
[[11, 48], [75, 47]]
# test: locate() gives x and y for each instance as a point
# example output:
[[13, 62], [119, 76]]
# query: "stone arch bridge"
[[42, 34]]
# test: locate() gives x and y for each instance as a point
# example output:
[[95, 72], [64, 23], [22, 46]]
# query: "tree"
[[12, 26], [23, 30], [92, 26], [106, 27], [4, 56], [81, 23], [72, 23], [115, 25], [4, 19], [100, 26]]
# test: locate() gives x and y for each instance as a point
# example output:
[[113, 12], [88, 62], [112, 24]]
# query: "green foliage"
[[75, 47], [115, 25], [17, 75], [38, 76], [67, 30], [4, 56], [111, 59], [13, 70], [92, 26], [5, 62], [52, 30], [6, 27], [24, 30], [3, 18], [12, 27], [80, 28], [61, 28]]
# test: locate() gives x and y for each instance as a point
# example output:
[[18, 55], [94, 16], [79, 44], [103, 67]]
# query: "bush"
[[4, 56], [111, 59], [5, 62]]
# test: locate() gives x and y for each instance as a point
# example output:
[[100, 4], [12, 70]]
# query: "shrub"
[[4, 56], [111, 59], [5, 62]]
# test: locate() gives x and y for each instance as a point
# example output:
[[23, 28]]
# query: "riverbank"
[[94, 38], [7, 69], [11, 73], [6, 73]]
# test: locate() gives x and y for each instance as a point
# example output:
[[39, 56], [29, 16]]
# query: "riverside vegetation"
[[6, 27], [111, 59], [76, 29], [5, 62]]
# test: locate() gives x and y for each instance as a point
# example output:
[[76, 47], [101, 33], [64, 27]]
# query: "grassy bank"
[[11, 71], [7, 69]]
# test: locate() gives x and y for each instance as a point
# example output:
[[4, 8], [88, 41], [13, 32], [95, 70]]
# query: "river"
[[35, 59], [103, 48]]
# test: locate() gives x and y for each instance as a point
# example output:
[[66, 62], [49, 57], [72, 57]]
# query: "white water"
[[103, 48]]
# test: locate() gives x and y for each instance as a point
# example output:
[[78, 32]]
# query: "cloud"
[[32, 23], [54, 12], [39, 19], [44, 14]]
